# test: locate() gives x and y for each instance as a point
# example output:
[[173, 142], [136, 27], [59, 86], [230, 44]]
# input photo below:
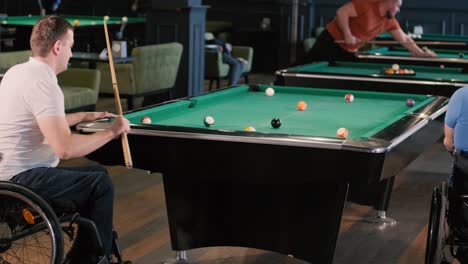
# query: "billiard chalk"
[[193, 103]]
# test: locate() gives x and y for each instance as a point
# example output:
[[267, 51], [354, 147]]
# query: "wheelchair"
[[442, 235], [35, 231]]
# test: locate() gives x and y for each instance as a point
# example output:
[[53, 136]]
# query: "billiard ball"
[[461, 55], [442, 66], [250, 129], [269, 91], [301, 106], [349, 98], [208, 121], [106, 18], [276, 123], [125, 19], [76, 22], [410, 102], [411, 71], [146, 120], [342, 132], [395, 67]]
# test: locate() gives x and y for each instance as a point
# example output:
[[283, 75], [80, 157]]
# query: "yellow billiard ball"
[[76, 22]]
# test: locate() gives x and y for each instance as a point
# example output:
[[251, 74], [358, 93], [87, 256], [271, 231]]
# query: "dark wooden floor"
[[140, 218]]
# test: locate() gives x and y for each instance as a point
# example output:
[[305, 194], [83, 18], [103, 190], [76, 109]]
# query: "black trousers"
[[326, 49], [89, 189], [458, 211]]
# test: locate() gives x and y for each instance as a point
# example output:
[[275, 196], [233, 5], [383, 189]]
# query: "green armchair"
[[80, 89], [153, 71], [215, 69]]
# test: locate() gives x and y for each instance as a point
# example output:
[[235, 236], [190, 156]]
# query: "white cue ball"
[[125, 19], [106, 18], [269, 91], [395, 67]]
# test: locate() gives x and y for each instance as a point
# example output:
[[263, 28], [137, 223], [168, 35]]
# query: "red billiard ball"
[[146, 120], [410, 102], [349, 98], [208, 121]]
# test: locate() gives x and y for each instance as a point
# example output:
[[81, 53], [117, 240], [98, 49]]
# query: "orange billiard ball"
[[301, 106], [342, 132]]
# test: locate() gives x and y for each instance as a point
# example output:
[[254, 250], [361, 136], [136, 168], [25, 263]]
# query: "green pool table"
[[89, 32], [400, 55], [83, 21], [369, 76], [447, 41], [275, 189]]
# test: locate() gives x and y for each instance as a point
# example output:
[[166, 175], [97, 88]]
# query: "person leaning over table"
[[356, 23], [456, 142], [35, 134]]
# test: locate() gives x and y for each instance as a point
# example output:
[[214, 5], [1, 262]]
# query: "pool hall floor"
[[140, 217]]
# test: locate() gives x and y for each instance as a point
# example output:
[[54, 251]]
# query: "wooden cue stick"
[[125, 145], [427, 43]]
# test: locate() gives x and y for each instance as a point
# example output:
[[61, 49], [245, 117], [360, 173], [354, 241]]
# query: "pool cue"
[[419, 43], [125, 145]]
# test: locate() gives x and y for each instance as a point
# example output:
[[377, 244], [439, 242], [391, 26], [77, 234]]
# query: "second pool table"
[[446, 41], [369, 76], [400, 55], [275, 189]]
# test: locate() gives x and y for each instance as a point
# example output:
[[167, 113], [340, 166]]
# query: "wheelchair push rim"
[[29, 229]]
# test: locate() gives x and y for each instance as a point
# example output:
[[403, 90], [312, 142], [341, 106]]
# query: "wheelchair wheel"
[[29, 229], [436, 230]]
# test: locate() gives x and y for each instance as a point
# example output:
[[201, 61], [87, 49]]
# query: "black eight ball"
[[275, 122]]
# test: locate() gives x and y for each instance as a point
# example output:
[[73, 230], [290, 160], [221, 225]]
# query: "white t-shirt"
[[28, 92]]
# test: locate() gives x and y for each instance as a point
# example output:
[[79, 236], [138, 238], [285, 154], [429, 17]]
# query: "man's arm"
[[67, 145], [342, 17], [448, 139], [409, 44], [76, 118]]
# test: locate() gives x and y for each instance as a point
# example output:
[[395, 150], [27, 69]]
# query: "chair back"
[[156, 66]]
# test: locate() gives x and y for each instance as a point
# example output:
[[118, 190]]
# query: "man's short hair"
[[46, 32]]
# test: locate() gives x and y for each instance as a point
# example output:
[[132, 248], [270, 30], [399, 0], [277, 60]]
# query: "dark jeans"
[[91, 191], [236, 68], [458, 206], [326, 49]]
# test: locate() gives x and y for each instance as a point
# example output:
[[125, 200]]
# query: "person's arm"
[[342, 17], [409, 44], [67, 145], [76, 118], [448, 139]]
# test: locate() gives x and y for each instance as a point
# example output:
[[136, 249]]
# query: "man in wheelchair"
[[456, 142], [35, 134]]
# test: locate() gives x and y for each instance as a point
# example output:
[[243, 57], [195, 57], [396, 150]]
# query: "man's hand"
[[352, 40], [429, 53], [92, 116], [242, 60], [120, 125]]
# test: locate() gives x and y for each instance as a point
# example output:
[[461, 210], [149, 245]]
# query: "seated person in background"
[[456, 142], [236, 65], [35, 134], [356, 23]]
